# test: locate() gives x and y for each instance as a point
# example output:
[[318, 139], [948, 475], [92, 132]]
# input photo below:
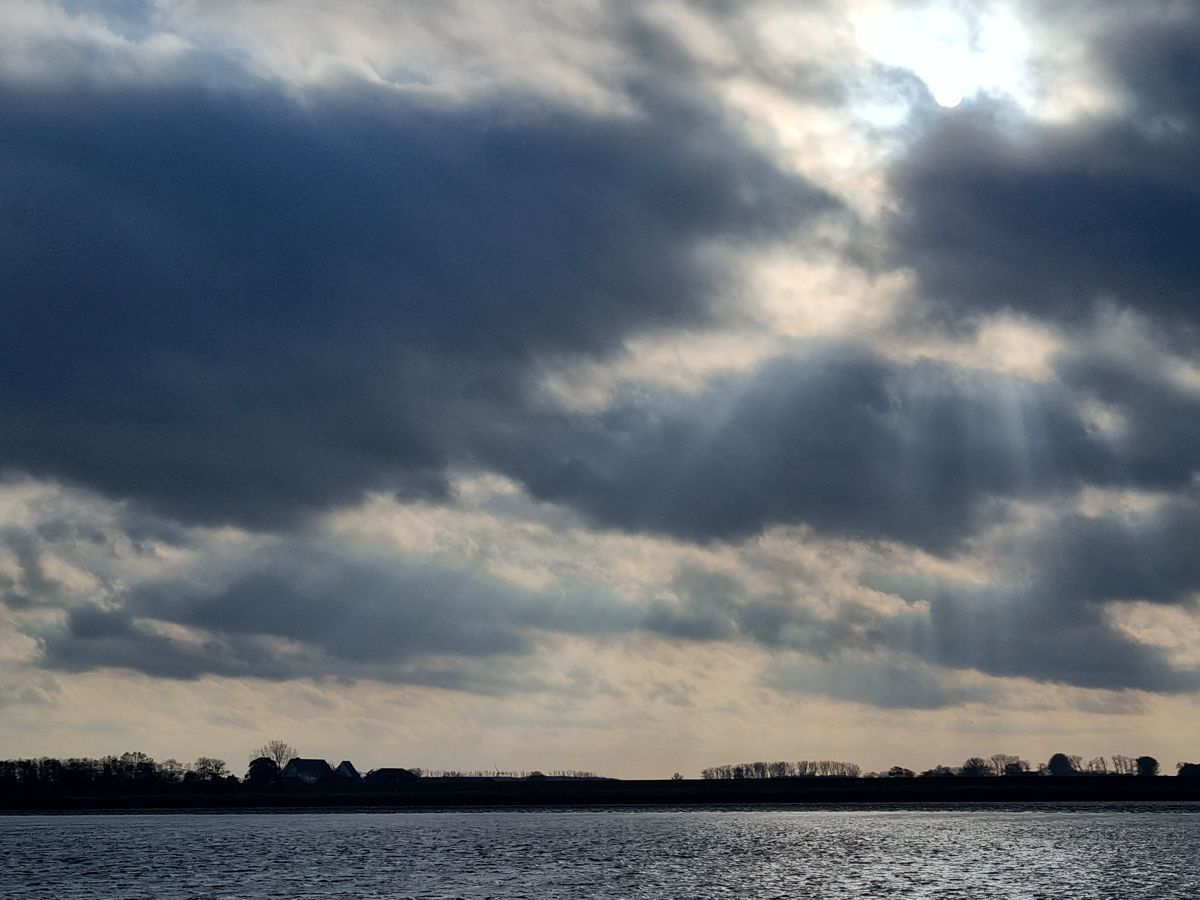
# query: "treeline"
[[139, 773], [130, 772], [1059, 764], [804, 768], [998, 764], [510, 775]]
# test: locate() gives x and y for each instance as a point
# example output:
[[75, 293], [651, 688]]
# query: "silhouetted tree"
[[1020, 767], [1000, 761], [171, 771], [1060, 764], [262, 771], [975, 767], [136, 766], [1097, 766], [939, 772], [1188, 770], [131, 772], [1123, 765], [209, 768], [805, 768], [1147, 766], [280, 752], [899, 772]]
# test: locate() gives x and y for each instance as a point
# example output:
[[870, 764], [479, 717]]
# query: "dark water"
[[1124, 851]]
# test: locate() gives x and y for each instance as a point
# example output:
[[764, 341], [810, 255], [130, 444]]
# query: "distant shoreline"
[[480, 793]]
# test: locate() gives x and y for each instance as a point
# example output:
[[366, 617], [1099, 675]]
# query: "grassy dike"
[[482, 793]]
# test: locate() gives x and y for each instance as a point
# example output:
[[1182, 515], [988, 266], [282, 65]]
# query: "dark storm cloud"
[[111, 639], [1153, 560], [1149, 556], [301, 611], [237, 306], [847, 443], [1049, 626], [998, 211], [715, 606], [1027, 633], [1159, 439], [35, 587], [245, 305], [1044, 617], [304, 611], [1041, 618], [64, 527], [883, 682]]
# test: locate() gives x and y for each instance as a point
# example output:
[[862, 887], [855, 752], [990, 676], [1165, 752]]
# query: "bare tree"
[[1097, 766], [279, 752], [804, 768], [1123, 765], [209, 768], [1001, 761], [976, 767]]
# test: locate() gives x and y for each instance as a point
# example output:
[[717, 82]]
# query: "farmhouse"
[[307, 771]]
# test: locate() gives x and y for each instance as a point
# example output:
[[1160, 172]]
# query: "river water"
[[1115, 851]]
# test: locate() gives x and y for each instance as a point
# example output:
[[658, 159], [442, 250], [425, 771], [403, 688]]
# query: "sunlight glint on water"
[[1127, 851]]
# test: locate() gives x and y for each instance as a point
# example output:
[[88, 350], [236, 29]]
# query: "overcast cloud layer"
[[371, 350]]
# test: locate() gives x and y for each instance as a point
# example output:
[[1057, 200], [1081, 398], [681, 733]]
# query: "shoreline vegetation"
[[480, 792], [134, 781]]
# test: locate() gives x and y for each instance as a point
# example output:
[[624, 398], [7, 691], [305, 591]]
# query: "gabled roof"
[[346, 769], [307, 770]]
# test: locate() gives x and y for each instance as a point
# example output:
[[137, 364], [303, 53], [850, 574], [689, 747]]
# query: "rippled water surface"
[[1125, 851]]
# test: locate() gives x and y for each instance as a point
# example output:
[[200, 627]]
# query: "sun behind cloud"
[[957, 52]]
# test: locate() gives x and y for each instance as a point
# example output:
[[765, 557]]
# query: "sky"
[[626, 387]]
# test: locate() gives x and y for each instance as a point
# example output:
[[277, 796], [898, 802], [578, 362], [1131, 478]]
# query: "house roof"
[[307, 769]]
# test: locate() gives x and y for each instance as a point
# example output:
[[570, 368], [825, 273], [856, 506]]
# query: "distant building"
[[345, 772], [387, 777], [307, 771]]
